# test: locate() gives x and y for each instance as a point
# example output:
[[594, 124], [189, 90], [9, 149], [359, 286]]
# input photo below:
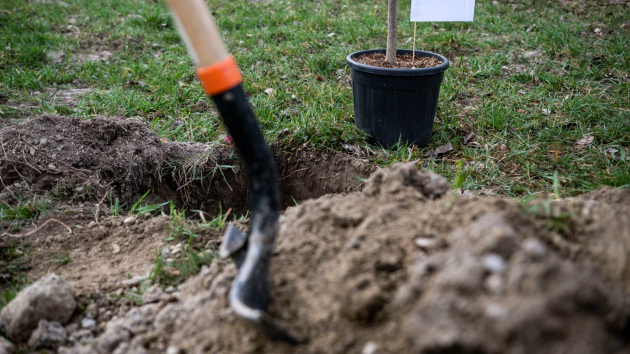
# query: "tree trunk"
[[392, 32]]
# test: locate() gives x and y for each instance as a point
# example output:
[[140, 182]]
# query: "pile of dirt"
[[407, 266], [404, 265], [79, 158], [106, 158]]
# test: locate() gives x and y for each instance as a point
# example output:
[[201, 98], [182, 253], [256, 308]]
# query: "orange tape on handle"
[[220, 77]]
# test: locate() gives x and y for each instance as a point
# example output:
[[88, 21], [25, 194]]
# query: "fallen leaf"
[[584, 141], [269, 91], [354, 149], [441, 150], [444, 148], [545, 111], [468, 137], [319, 78]]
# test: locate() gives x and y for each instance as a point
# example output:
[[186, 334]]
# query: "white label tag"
[[442, 10]]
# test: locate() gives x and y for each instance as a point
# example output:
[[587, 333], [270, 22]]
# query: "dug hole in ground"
[[398, 264]]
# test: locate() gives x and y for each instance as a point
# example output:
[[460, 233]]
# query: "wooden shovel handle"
[[199, 32]]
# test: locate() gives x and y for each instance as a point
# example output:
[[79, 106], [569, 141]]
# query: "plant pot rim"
[[398, 72]]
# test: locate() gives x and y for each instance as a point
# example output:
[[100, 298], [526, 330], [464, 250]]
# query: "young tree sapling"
[[392, 32]]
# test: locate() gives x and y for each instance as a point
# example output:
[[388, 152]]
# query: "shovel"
[[221, 80]]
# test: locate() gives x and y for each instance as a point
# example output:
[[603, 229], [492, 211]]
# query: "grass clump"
[[24, 210], [175, 271]]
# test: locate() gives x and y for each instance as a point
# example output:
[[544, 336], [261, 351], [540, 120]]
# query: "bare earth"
[[399, 264]]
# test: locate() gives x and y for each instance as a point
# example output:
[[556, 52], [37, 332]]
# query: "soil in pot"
[[403, 61]]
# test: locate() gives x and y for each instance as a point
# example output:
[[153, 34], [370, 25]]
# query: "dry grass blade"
[[38, 228]]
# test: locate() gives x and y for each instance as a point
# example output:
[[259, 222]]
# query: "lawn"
[[542, 87]]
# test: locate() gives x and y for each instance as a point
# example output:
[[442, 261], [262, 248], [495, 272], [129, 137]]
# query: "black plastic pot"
[[393, 105]]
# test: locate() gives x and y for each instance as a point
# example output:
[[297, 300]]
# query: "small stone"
[[134, 321], [116, 248], [115, 335], [43, 142], [495, 311], [494, 284], [129, 221], [48, 335], [91, 311], [51, 298], [370, 348], [494, 263], [429, 243], [88, 323], [83, 337], [149, 311], [534, 247], [153, 294], [170, 290], [173, 350]]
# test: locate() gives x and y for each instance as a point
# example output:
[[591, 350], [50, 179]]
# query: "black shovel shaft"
[[240, 122]]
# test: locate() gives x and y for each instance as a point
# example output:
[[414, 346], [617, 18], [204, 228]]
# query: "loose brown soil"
[[102, 159], [401, 264], [405, 61], [63, 154]]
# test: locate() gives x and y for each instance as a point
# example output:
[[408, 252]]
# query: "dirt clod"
[[51, 298], [6, 347], [48, 335]]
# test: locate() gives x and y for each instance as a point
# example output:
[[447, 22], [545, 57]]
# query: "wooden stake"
[[413, 57]]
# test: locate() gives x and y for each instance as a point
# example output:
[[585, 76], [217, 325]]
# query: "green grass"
[[526, 113], [24, 210], [142, 207], [176, 271], [14, 213], [13, 265]]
